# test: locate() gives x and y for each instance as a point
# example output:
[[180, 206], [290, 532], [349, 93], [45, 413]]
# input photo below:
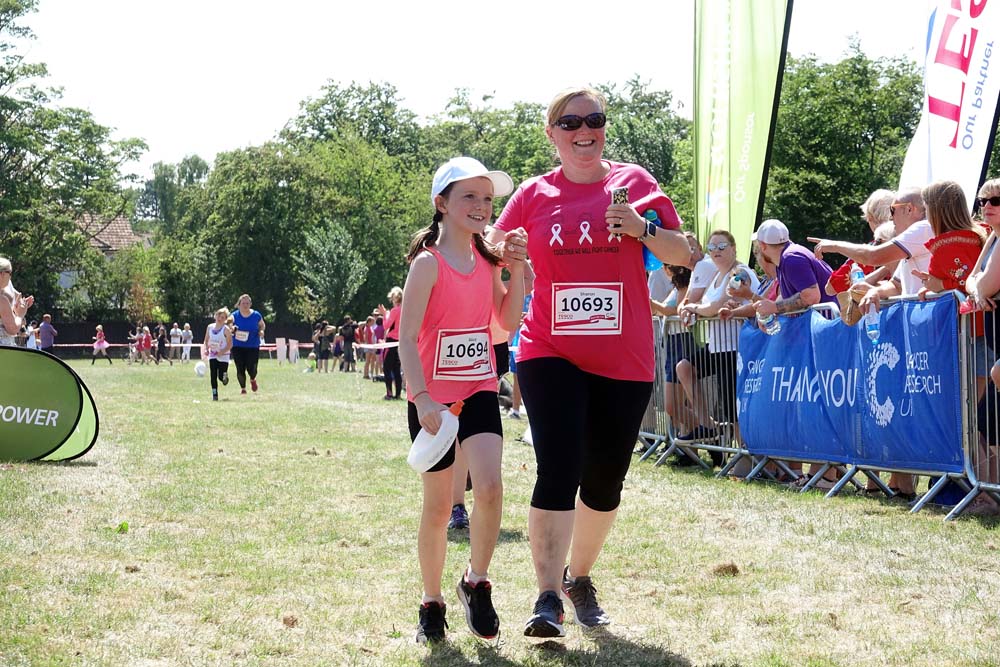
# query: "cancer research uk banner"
[[820, 390], [961, 93]]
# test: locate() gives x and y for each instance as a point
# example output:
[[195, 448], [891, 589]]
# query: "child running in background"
[[218, 342], [452, 290], [100, 345]]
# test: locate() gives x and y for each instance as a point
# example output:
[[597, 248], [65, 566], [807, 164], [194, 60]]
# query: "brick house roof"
[[108, 236]]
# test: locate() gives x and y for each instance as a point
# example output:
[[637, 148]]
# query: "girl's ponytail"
[[425, 237]]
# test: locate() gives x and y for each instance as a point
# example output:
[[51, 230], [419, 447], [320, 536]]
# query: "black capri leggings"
[[584, 428], [245, 359], [391, 370], [216, 369]]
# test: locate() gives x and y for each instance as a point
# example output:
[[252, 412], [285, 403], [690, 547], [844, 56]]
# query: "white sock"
[[432, 598], [472, 577]]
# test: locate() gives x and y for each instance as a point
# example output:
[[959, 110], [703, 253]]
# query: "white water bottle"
[[770, 323], [872, 324], [857, 275], [428, 448]]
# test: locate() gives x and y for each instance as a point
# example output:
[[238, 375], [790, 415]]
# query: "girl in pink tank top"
[[452, 291]]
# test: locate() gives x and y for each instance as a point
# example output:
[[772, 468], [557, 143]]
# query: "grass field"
[[280, 529]]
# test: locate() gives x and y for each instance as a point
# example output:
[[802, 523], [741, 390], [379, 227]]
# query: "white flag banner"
[[961, 93]]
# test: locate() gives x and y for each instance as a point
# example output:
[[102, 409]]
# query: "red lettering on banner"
[[977, 8], [947, 110], [958, 59]]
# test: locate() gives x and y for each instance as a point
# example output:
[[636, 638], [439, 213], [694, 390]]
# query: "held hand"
[[766, 307], [725, 313], [623, 219], [429, 412], [514, 248], [922, 292], [922, 276]]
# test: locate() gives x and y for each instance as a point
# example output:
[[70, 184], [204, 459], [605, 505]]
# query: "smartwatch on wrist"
[[650, 231]]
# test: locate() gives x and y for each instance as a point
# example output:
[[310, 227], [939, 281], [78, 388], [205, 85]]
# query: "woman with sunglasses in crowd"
[[983, 287], [585, 358]]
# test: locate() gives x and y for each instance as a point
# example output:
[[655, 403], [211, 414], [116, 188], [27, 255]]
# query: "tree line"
[[316, 222]]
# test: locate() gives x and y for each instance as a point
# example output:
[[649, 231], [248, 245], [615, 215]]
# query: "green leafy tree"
[[373, 112], [55, 165], [331, 268], [260, 200], [842, 131]]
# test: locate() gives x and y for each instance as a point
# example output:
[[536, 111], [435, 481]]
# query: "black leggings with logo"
[[584, 428]]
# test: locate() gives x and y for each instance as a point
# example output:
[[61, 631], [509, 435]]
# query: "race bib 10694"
[[586, 309], [464, 354]]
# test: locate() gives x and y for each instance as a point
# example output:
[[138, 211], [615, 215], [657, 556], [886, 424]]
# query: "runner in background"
[[452, 292], [218, 342], [249, 330], [585, 359], [391, 368], [100, 345]]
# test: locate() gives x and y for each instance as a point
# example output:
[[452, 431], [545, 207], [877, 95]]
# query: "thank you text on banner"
[[820, 389]]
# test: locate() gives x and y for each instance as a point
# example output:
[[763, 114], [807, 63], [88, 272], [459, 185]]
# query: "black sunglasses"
[[573, 122], [983, 201]]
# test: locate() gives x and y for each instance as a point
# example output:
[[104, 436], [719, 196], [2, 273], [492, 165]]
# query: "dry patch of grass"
[[280, 529]]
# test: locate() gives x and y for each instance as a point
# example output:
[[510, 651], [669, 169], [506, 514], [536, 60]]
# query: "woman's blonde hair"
[[885, 232], [222, 311], [395, 294], [563, 97], [990, 188], [5, 264], [877, 206]]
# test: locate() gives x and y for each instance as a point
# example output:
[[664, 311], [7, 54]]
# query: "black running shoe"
[[547, 621], [224, 378], [479, 613], [431, 623], [459, 518], [583, 596]]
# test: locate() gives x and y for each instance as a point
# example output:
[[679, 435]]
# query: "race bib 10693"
[[586, 309]]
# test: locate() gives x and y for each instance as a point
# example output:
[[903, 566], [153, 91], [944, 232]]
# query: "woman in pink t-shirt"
[[390, 363], [452, 292], [585, 358]]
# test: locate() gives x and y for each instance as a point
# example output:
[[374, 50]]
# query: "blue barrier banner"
[[820, 390]]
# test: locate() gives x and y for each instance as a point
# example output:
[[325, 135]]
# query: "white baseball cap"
[[461, 168], [771, 232]]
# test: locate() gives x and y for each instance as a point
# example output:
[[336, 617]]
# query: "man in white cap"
[[801, 276]]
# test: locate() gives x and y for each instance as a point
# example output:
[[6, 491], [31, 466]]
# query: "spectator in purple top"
[[801, 277], [47, 334]]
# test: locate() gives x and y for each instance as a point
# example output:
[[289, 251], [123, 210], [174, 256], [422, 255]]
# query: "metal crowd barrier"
[[662, 435], [709, 416]]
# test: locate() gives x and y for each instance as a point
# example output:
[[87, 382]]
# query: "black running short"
[[480, 414], [584, 428]]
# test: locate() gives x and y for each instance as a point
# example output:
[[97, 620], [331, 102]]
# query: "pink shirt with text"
[[591, 303]]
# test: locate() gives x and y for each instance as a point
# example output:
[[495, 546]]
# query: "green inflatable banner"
[[46, 411], [739, 58]]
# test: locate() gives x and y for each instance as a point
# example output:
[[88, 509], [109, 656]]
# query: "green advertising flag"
[[45, 409], [739, 57]]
